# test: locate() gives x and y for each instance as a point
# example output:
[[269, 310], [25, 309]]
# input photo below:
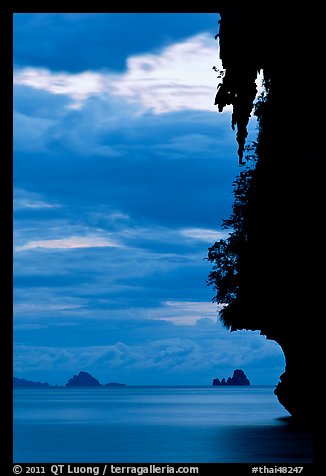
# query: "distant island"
[[238, 378], [22, 383], [83, 379]]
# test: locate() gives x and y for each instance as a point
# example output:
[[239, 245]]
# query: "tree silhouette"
[[225, 254]]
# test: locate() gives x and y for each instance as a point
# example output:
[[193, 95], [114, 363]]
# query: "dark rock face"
[[22, 383], [115, 384], [288, 188], [83, 379], [238, 378]]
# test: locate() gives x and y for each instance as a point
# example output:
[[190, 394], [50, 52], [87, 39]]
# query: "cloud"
[[69, 243], [103, 228], [30, 200], [30, 133], [179, 77], [169, 235], [203, 234], [78, 87], [185, 313], [181, 356], [191, 145], [45, 308]]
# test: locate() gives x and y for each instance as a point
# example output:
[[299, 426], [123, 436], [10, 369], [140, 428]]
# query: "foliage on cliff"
[[227, 255]]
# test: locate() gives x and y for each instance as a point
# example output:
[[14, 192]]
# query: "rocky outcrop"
[[83, 379], [115, 384], [238, 378]]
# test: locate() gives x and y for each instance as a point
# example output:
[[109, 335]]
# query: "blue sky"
[[123, 173]]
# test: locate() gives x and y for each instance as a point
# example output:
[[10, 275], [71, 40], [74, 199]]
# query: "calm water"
[[155, 424]]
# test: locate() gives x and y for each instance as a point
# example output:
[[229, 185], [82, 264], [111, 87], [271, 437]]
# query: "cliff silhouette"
[[268, 271]]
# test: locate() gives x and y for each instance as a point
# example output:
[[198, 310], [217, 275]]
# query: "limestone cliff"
[[278, 286]]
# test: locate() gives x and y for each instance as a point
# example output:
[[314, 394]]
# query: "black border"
[[6, 207], [7, 10]]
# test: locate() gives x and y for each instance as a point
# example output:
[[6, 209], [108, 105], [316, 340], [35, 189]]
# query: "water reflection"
[[265, 443]]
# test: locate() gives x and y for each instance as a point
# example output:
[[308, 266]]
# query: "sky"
[[123, 172]]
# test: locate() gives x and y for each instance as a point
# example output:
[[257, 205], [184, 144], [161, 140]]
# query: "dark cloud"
[[139, 175], [79, 42]]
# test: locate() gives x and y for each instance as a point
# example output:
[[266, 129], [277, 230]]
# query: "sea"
[[199, 424]]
